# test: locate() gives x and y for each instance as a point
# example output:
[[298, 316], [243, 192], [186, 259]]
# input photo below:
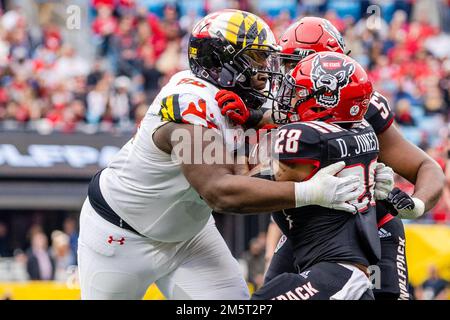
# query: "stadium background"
[[77, 76]]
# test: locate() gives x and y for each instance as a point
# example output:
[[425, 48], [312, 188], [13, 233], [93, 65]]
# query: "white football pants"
[[115, 263]]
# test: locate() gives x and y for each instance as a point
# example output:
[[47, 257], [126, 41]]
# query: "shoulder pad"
[[187, 108], [298, 142], [379, 114]]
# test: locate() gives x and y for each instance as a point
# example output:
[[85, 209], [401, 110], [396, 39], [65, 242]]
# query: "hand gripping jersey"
[[322, 234], [144, 185]]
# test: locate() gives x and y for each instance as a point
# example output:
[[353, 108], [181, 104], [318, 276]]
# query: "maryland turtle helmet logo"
[[329, 74]]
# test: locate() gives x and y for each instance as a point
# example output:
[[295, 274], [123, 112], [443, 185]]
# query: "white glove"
[[384, 181], [326, 190]]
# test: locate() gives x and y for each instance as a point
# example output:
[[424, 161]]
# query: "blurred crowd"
[[47, 84], [39, 256]]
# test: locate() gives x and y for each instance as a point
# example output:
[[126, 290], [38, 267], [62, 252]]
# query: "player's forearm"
[[237, 194], [413, 164], [430, 182]]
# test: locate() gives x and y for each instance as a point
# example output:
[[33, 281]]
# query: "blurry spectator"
[[95, 74], [104, 26], [444, 84], [62, 255], [21, 260], [170, 22], [97, 101], [168, 62], [434, 288], [35, 229], [280, 24], [119, 101], [70, 227], [255, 259], [71, 116], [125, 7], [69, 65], [4, 245], [331, 16], [125, 47], [40, 265], [403, 113], [312, 7], [433, 101], [107, 3], [188, 21]]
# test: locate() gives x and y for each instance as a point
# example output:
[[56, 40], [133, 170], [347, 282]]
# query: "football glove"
[[326, 190], [405, 206], [384, 181], [234, 108]]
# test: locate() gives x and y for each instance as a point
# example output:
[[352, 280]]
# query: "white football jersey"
[[144, 185]]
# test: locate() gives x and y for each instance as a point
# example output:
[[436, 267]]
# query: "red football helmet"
[[326, 86], [310, 35]]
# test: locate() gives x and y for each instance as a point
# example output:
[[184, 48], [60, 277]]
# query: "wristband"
[[254, 118], [301, 195], [418, 211]]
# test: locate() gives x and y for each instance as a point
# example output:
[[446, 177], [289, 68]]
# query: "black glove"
[[398, 200]]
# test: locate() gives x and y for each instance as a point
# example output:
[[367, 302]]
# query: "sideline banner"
[[28, 155]]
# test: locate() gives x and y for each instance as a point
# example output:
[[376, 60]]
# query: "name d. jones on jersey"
[[366, 142]]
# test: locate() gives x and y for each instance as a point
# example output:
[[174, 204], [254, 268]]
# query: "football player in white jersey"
[[147, 218]]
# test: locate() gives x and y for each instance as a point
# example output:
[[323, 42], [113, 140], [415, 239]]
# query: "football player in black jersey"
[[310, 35], [323, 100]]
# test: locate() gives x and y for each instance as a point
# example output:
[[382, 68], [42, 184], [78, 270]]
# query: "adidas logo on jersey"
[[305, 274], [382, 233]]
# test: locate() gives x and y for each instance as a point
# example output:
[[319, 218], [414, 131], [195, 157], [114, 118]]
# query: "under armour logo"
[[121, 241]]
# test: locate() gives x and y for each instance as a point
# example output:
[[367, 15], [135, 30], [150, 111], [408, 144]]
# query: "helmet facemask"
[[329, 87], [258, 67], [290, 97]]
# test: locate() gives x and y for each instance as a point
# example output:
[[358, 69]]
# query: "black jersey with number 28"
[[323, 234]]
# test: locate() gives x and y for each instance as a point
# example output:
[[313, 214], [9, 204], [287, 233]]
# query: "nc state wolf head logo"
[[330, 74]]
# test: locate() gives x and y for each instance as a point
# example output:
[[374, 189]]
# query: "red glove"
[[232, 106]]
